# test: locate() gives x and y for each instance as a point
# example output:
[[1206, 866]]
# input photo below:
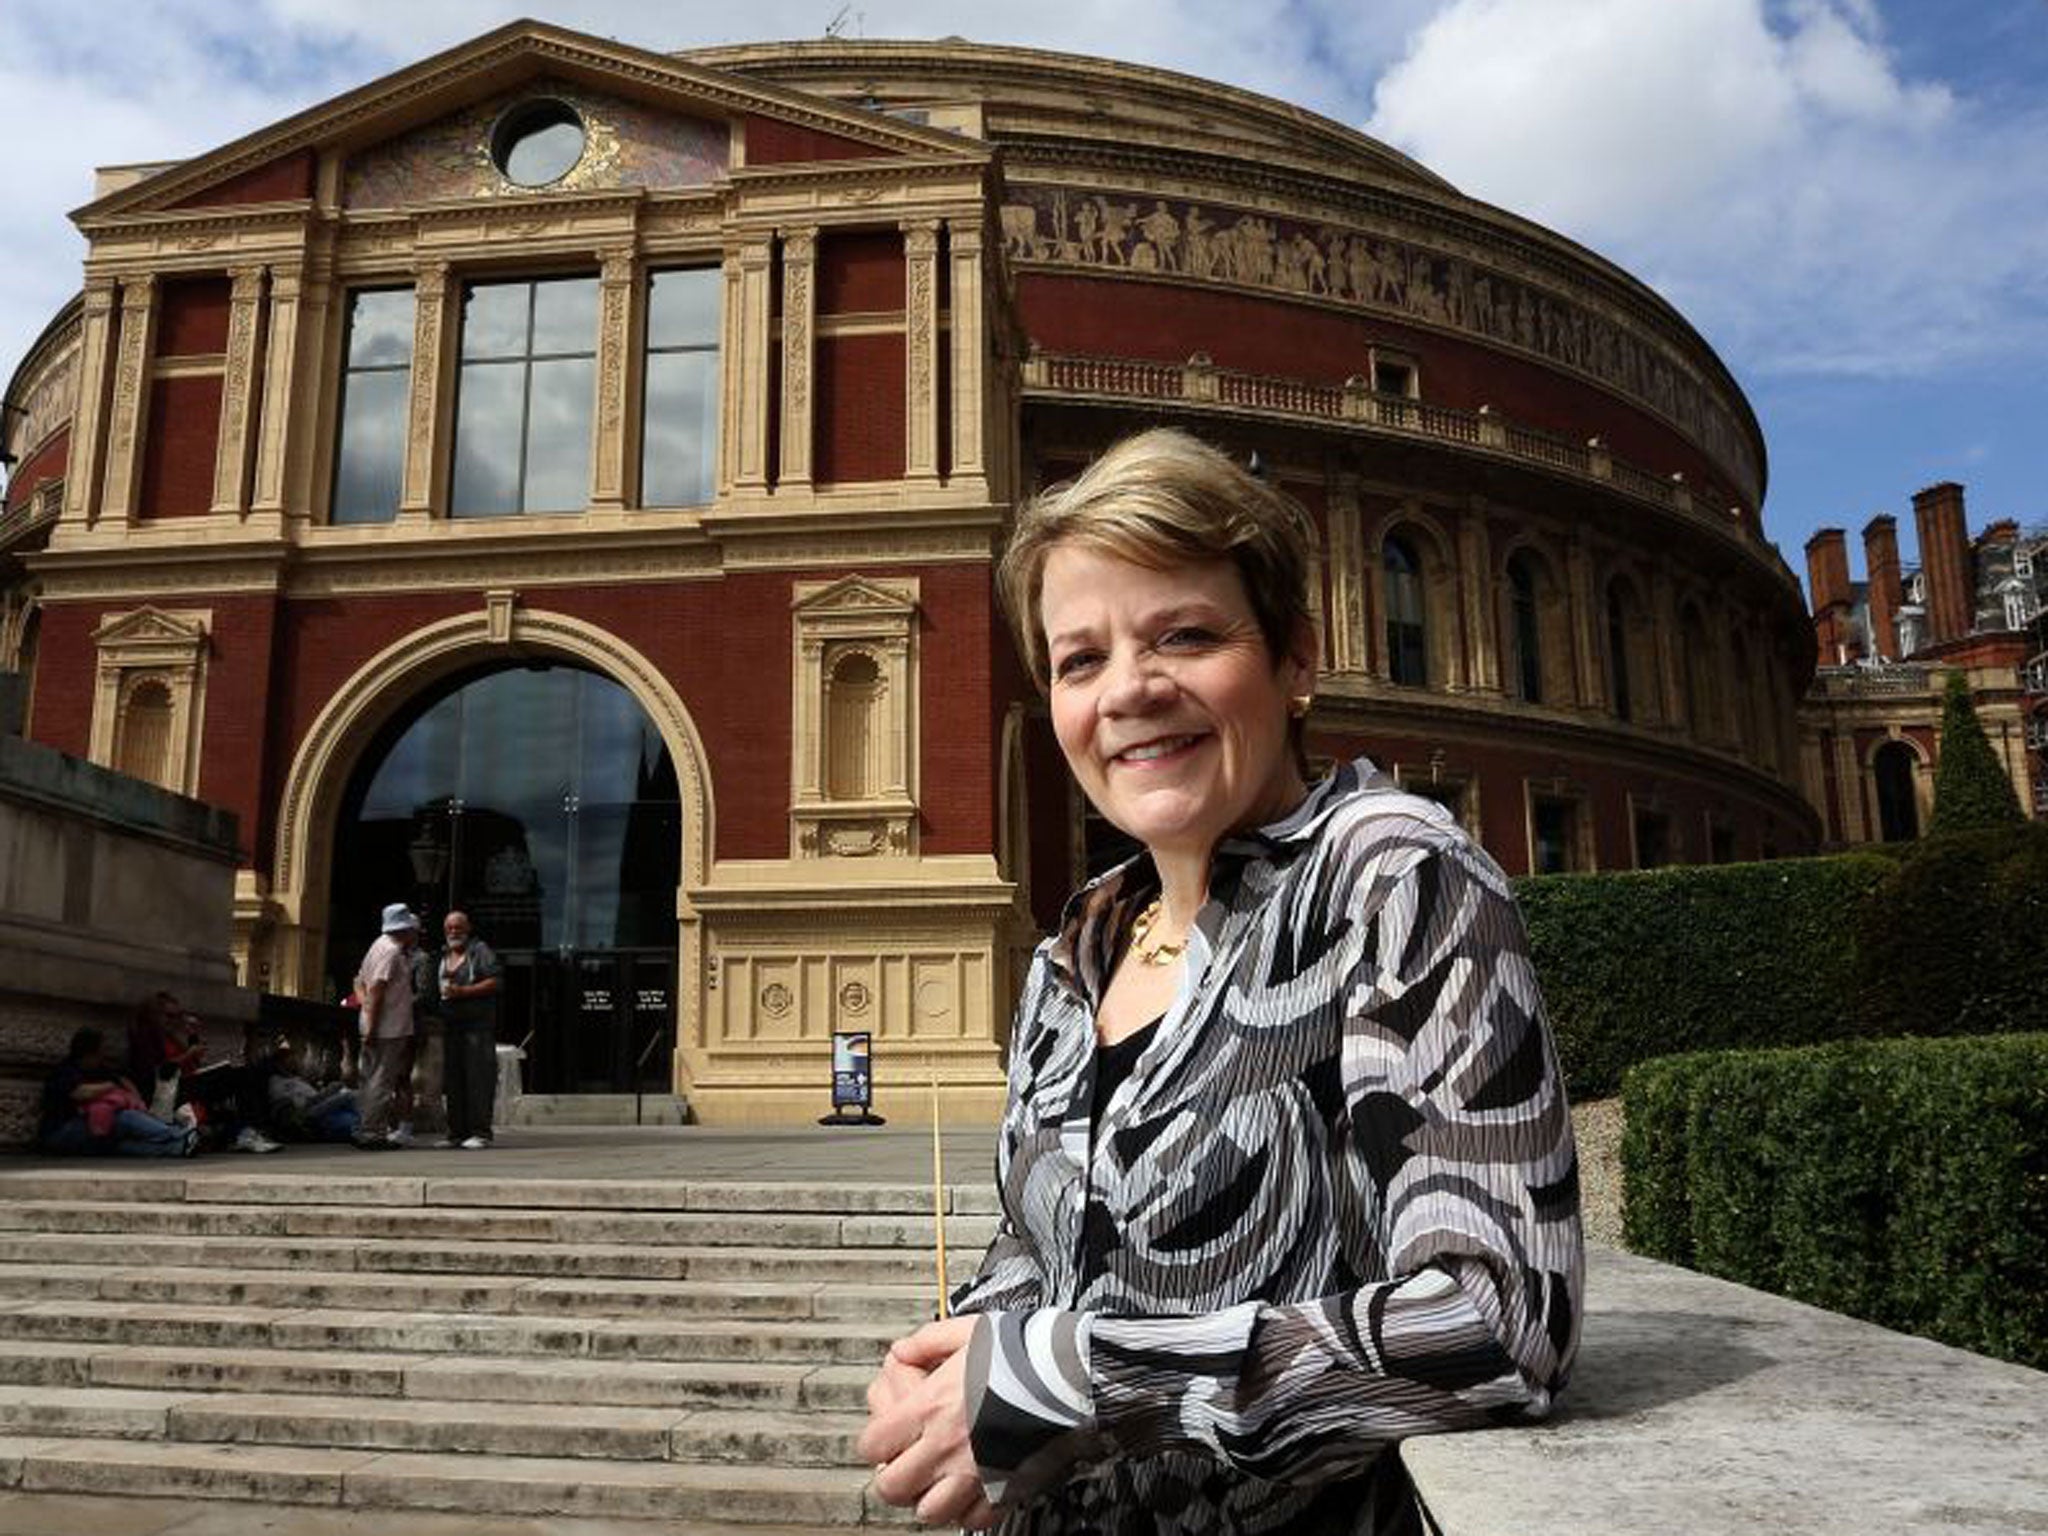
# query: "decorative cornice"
[[401, 95]]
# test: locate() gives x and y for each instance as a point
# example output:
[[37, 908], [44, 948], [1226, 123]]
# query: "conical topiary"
[[1971, 791]]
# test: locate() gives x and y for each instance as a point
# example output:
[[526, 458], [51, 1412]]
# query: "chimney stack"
[[1945, 561], [1827, 578], [1881, 566]]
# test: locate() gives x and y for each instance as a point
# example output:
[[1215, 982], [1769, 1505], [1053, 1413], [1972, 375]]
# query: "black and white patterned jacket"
[[1335, 1203]]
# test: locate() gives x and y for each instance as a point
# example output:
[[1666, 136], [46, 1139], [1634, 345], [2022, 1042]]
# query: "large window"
[[523, 401], [542, 801], [679, 431], [1407, 632], [369, 460]]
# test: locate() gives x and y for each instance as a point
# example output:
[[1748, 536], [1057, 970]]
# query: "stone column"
[[899, 721], [1347, 571], [1378, 663], [233, 447], [970, 349], [611, 436], [1849, 789], [426, 409], [303, 439], [1588, 616], [278, 431], [921, 351], [1664, 633], [127, 413], [747, 378], [799, 323], [1475, 601], [89, 423]]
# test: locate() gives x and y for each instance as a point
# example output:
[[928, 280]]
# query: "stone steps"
[[470, 1378], [429, 1223], [902, 1306], [422, 1480], [523, 1350], [724, 1435], [595, 1261]]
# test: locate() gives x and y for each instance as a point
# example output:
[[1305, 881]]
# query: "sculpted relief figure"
[[1198, 235], [1020, 231], [1423, 298], [1162, 240], [1349, 265]]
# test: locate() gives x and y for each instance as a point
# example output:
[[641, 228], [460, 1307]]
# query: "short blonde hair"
[[1162, 499]]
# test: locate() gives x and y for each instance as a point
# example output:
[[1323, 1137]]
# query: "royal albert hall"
[[562, 481]]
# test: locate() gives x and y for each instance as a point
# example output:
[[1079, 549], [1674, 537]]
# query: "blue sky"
[[1849, 198]]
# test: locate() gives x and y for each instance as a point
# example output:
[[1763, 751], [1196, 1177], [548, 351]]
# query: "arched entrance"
[[541, 799], [1898, 811]]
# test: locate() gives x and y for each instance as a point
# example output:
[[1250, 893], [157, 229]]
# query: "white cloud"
[[1771, 173]]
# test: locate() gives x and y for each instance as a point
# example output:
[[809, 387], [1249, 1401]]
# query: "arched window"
[[1407, 624], [1696, 676], [1617, 651], [853, 728], [1898, 810], [145, 738], [1525, 629]]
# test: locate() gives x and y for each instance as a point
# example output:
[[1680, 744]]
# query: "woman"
[[87, 1107], [1287, 1172]]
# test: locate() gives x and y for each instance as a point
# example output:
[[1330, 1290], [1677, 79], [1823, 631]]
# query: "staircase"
[[692, 1353]]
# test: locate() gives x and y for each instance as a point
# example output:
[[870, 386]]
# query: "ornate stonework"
[[1375, 269], [628, 144]]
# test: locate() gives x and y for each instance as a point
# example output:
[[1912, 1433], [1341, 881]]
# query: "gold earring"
[[1298, 705]]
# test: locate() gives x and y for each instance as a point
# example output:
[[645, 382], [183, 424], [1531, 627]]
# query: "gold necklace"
[[1157, 954]]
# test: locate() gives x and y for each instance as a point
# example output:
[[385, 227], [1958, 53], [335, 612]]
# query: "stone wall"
[[109, 889]]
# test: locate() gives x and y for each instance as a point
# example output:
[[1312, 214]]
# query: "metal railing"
[[1199, 383]]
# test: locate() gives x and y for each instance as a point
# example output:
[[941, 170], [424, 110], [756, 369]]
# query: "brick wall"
[[1163, 323], [46, 463], [285, 178], [178, 447], [858, 396], [770, 142]]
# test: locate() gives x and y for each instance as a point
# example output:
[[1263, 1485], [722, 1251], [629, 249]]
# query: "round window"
[[538, 142]]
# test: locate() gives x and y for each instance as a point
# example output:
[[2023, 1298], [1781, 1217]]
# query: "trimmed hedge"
[[1903, 1181], [1647, 964], [1956, 941], [1941, 937]]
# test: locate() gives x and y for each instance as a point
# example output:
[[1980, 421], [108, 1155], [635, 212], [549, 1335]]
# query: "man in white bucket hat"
[[384, 987]]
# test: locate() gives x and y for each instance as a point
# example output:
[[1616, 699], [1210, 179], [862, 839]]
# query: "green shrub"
[[1904, 1181], [1951, 942], [1656, 1213], [1647, 964], [1971, 791]]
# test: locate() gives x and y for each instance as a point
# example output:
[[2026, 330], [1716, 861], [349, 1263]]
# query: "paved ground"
[[62, 1514], [861, 1155], [864, 1155]]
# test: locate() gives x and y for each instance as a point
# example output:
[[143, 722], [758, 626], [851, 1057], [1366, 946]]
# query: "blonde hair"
[[1162, 499]]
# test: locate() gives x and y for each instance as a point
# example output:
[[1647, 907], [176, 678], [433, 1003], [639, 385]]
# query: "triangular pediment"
[[681, 106], [149, 626], [855, 594]]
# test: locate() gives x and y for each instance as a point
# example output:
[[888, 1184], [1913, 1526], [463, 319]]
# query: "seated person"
[[87, 1107], [301, 1111], [232, 1100]]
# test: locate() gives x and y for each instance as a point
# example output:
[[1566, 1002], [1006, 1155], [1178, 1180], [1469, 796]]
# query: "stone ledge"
[[1701, 1406]]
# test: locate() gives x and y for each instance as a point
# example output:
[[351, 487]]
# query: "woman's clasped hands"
[[917, 1432]]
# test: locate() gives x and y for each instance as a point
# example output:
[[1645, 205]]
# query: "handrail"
[[1200, 383]]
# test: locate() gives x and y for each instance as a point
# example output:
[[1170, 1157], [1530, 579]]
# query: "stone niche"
[[110, 889]]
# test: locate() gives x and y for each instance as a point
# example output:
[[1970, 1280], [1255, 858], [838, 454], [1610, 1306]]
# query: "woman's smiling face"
[[1168, 703]]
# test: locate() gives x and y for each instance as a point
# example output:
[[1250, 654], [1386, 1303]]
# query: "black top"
[[1113, 1064]]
